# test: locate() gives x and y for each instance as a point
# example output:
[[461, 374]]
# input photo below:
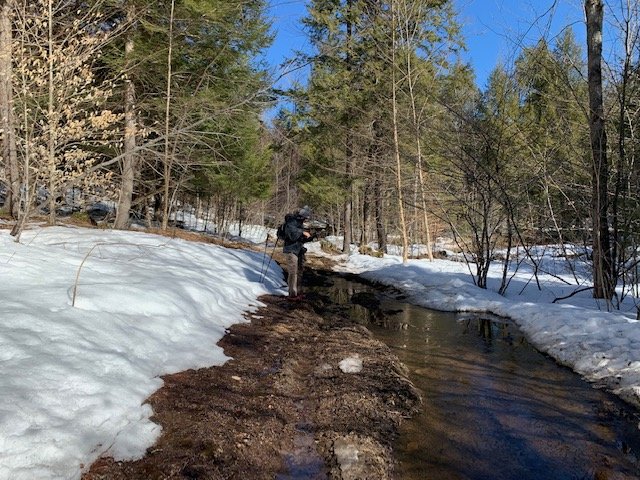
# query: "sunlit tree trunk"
[[396, 141], [9, 154], [130, 128], [23, 211], [167, 153], [411, 80], [381, 232], [348, 205], [349, 160], [623, 189], [51, 119]]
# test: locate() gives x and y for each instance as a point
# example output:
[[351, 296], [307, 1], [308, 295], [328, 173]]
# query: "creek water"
[[494, 407]]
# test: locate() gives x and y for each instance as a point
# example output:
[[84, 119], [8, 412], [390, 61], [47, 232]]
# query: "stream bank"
[[284, 407], [493, 406]]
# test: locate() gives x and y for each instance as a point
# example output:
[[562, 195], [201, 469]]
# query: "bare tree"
[[396, 141], [64, 122], [168, 159], [410, 32]]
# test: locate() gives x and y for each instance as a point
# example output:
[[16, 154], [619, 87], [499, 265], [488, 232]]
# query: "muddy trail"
[[283, 407]]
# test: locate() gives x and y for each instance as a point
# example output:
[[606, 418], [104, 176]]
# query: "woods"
[[116, 101], [163, 109]]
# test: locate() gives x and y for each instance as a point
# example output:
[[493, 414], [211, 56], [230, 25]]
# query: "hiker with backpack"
[[295, 236]]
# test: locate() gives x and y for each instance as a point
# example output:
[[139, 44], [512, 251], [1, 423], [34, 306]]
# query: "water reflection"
[[491, 327], [495, 408]]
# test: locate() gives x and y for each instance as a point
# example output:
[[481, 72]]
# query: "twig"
[[572, 294], [75, 285]]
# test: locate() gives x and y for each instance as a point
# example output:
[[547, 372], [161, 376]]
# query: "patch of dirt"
[[282, 408]]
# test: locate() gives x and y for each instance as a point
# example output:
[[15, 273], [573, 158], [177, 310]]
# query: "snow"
[[75, 375], [352, 364], [75, 378], [256, 234]]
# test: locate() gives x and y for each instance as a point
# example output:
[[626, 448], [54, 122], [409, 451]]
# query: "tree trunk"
[[167, 156], [348, 207], [379, 209], [625, 127], [411, 80], [396, 141], [128, 161], [348, 204], [366, 209], [52, 121], [603, 281], [9, 154], [27, 191]]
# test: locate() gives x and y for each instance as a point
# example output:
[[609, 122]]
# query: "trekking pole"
[[264, 255], [264, 273]]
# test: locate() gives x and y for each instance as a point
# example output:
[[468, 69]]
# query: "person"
[[295, 237]]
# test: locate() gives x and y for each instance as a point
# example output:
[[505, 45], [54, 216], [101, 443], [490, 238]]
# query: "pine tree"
[[350, 97], [184, 101]]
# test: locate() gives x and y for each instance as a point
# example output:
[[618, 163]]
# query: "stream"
[[494, 407]]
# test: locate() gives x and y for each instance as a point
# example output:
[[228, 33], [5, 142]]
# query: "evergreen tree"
[[350, 97], [552, 125], [187, 102]]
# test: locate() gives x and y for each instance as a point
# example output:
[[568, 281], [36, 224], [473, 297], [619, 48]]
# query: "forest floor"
[[281, 408]]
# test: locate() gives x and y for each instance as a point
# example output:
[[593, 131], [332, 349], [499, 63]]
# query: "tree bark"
[[52, 122], [167, 155], [411, 80], [348, 207], [9, 153], [625, 127], [396, 141], [379, 209], [603, 281], [128, 162], [349, 167]]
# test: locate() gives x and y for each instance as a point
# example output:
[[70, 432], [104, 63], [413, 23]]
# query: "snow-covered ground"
[[74, 378], [232, 230], [603, 346]]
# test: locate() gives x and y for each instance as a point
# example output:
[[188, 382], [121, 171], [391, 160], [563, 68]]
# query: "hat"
[[304, 212]]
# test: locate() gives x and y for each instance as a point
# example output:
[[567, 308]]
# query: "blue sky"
[[289, 36], [494, 30]]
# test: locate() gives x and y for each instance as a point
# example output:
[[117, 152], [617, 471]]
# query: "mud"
[[282, 408]]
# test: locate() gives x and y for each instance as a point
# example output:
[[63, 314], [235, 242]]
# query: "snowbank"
[[75, 378]]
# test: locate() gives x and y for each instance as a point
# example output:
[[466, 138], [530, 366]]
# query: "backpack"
[[280, 232]]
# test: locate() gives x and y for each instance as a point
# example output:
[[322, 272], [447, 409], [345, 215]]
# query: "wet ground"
[[283, 407], [494, 407]]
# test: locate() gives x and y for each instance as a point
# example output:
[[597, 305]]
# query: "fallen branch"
[[572, 294]]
